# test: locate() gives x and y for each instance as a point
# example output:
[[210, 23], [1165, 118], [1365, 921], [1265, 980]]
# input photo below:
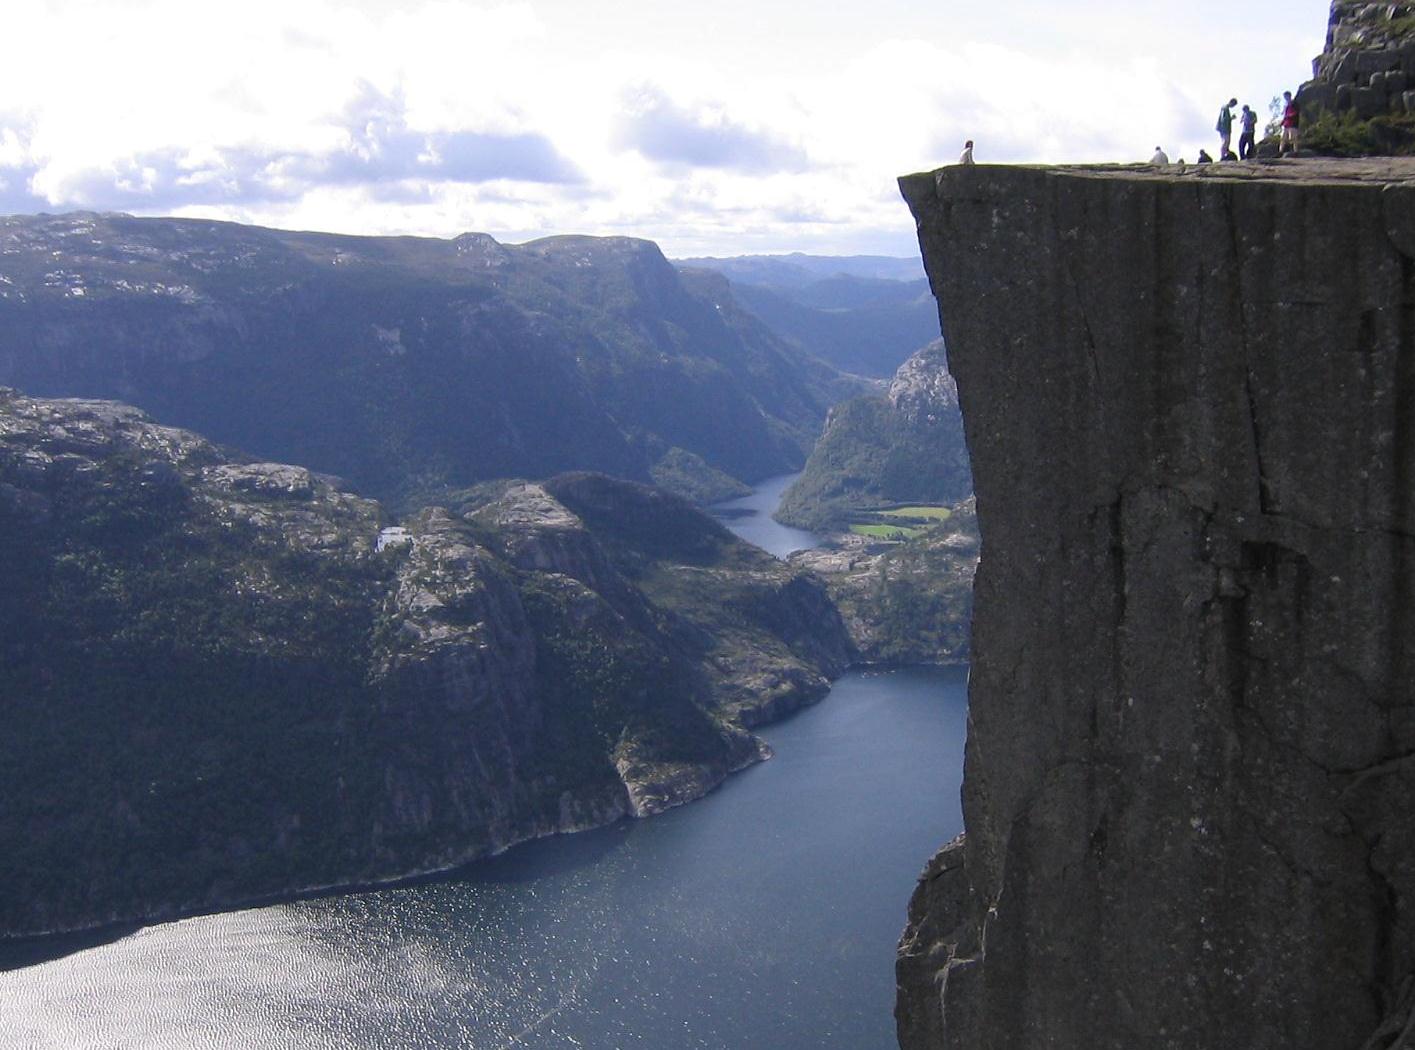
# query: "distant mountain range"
[[863, 314], [798, 270], [411, 366]]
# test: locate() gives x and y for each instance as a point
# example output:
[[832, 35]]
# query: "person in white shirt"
[[1160, 157], [967, 158]]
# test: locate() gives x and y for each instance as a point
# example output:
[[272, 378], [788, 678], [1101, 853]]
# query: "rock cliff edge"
[[1190, 403]]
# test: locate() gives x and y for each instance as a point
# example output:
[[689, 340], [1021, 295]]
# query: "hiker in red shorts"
[[1290, 120]]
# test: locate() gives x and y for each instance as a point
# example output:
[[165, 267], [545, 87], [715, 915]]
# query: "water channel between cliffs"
[[763, 916]]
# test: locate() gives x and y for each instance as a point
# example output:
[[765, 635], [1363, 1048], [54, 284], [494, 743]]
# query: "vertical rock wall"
[[1190, 402]]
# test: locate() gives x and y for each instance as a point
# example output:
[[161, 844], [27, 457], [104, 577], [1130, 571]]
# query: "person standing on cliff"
[[967, 157], [1224, 127], [1247, 141], [1291, 118]]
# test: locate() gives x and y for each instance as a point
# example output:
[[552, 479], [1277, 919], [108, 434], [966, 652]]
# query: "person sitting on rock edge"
[[1160, 157], [966, 159], [1247, 141], [1204, 157]]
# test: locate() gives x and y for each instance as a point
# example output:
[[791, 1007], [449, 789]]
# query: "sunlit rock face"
[[1190, 402]]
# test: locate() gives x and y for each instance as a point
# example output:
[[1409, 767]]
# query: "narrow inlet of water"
[[750, 517]]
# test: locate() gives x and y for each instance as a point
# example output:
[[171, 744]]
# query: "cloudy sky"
[[719, 127]]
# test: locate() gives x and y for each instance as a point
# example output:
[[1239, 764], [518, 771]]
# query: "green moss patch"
[[1333, 135]]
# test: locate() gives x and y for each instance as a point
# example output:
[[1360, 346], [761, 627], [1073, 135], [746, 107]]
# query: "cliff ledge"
[[1190, 402]]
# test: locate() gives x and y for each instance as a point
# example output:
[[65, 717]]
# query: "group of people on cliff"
[[1248, 136]]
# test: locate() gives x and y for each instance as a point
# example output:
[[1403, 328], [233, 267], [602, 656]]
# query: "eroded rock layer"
[[1190, 402]]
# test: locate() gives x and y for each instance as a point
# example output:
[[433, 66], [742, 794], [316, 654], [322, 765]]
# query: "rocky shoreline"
[[638, 801], [229, 692]]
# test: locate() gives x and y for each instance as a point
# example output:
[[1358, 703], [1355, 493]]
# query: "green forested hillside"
[[907, 447]]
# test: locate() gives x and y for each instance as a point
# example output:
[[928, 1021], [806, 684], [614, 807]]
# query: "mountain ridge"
[[797, 269], [409, 365]]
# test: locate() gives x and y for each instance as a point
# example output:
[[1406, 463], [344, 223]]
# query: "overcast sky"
[[721, 127]]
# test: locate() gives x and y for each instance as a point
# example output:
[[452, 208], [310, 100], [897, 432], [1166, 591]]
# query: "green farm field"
[[933, 514]]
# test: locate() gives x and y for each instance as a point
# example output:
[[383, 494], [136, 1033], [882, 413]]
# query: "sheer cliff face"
[[1190, 402]]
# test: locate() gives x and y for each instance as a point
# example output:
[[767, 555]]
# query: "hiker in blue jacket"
[[1248, 140]]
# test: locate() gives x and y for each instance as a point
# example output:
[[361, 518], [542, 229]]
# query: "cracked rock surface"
[[1190, 403]]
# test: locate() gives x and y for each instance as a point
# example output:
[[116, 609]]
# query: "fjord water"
[[763, 916], [751, 518]]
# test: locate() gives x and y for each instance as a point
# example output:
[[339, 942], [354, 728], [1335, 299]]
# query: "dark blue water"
[[751, 518], [763, 916]]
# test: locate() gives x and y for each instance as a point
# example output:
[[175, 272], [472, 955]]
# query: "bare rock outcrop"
[[1190, 403], [922, 389], [223, 681], [1367, 68]]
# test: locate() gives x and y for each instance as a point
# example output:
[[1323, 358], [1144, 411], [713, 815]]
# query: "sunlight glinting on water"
[[763, 916]]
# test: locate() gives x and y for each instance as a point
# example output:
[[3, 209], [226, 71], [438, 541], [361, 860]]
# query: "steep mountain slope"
[[409, 364], [798, 270], [907, 447], [862, 314], [862, 326], [216, 688], [906, 602]]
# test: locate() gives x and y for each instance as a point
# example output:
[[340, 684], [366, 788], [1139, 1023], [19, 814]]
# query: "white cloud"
[[702, 135], [743, 125]]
